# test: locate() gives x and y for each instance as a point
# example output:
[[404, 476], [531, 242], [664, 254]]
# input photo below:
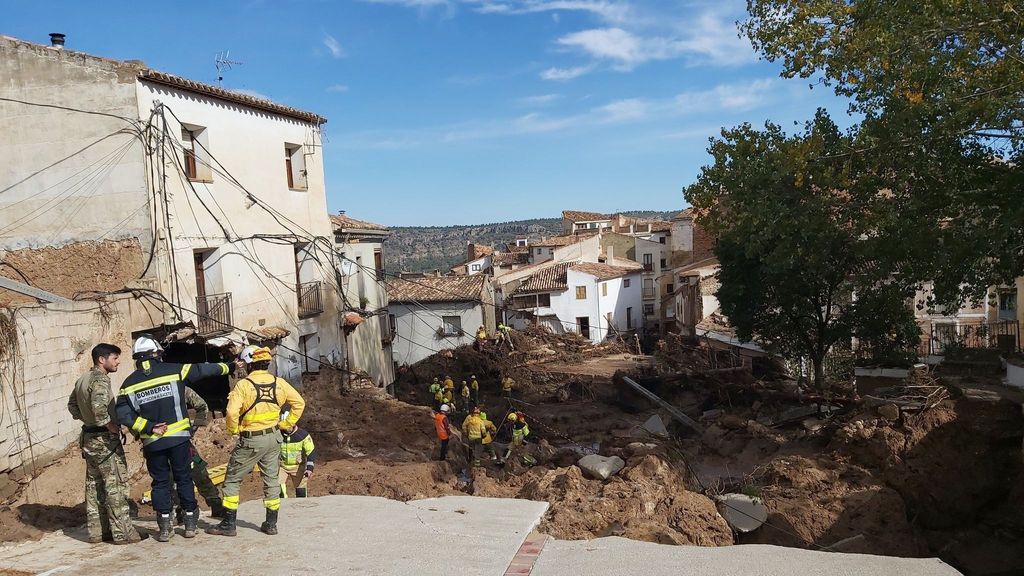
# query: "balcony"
[[214, 314], [648, 267], [648, 293], [311, 301]]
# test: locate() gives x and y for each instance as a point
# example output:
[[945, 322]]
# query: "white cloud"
[[565, 73], [333, 46], [539, 100], [610, 11], [339, 88]]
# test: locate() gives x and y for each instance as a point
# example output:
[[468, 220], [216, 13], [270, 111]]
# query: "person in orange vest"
[[443, 428]]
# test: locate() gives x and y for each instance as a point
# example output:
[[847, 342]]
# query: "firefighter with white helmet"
[[152, 403]]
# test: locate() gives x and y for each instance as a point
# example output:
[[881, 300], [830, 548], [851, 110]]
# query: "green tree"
[[939, 85], [796, 237]]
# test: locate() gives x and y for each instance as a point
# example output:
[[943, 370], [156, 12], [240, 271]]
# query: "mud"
[[79, 267]]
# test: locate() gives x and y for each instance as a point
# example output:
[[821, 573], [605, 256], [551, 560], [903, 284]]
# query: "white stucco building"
[[434, 313], [592, 299], [366, 330]]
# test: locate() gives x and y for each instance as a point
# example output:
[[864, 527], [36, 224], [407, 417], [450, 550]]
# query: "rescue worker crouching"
[[297, 445], [152, 403], [254, 414]]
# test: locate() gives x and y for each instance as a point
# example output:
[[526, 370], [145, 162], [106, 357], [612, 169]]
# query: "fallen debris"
[[601, 467]]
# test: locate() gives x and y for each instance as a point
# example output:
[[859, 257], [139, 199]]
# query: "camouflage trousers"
[[106, 486]]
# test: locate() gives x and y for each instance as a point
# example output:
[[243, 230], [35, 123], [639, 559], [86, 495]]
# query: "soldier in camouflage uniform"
[[200, 476], [106, 472]]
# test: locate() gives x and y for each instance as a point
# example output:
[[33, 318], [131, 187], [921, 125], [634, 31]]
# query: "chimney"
[[57, 40], [470, 250], [341, 212]]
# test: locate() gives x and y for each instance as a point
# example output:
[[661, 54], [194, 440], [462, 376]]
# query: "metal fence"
[[214, 314], [311, 300], [1002, 335]]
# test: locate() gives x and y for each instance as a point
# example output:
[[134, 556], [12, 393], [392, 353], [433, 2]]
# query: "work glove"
[[307, 473]]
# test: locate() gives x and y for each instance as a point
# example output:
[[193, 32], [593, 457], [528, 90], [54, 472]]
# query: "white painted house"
[[592, 299], [434, 313]]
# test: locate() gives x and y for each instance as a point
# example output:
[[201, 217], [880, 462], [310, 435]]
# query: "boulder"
[[743, 513], [639, 448], [655, 425], [601, 467], [889, 411]]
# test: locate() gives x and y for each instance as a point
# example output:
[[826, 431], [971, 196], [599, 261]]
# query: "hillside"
[[428, 248]]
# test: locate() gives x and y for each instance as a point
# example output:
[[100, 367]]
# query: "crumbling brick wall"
[[78, 267]]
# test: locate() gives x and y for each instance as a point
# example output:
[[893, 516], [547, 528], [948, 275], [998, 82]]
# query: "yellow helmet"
[[512, 417]]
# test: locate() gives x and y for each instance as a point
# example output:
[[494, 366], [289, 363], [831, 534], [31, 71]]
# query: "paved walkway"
[[452, 535]]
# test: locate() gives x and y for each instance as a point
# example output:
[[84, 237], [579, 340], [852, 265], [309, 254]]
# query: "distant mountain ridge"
[[429, 248]]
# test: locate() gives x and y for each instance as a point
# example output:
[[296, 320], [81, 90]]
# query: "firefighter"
[[254, 414], [152, 403], [296, 447]]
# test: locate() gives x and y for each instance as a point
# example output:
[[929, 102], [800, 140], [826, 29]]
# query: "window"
[[625, 283], [648, 262], [648, 309], [544, 300], [195, 156], [648, 291], [604, 289], [451, 325], [295, 166], [378, 263], [475, 267], [392, 324], [661, 239], [662, 263], [669, 288], [539, 251], [581, 292], [629, 318], [521, 241]]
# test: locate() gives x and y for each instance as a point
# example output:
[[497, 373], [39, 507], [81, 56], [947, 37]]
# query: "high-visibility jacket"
[[293, 447], [449, 384], [256, 401], [465, 391], [155, 393], [520, 430], [473, 427], [442, 425], [481, 335], [490, 431], [439, 395], [474, 385], [434, 388], [448, 396]]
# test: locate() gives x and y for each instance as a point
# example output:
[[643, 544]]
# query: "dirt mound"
[[647, 501]]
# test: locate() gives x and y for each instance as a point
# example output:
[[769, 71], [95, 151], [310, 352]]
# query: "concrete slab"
[[621, 556], [331, 534]]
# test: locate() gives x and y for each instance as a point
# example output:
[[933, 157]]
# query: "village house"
[[592, 299], [566, 247], [993, 322], [367, 334], [136, 201], [434, 313], [479, 260]]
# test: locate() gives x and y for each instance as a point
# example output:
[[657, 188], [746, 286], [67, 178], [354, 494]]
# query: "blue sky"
[[470, 111]]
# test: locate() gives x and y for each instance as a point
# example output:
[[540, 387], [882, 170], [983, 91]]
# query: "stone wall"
[[53, 349]]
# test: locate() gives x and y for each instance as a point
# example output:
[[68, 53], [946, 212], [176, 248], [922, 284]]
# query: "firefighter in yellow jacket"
[[297, 447], [254, 414]]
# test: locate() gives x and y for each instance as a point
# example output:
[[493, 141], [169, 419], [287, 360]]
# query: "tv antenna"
[[224, 62]]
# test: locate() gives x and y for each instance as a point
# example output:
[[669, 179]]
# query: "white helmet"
[[445, 408], [246, 354], [145, 345]]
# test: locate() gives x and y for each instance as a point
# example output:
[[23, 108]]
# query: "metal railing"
[[1002, 335], [648, 292], [648, 267], [311, 300], [214, 314]]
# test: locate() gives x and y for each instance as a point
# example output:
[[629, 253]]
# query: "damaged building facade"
[[203, 208]]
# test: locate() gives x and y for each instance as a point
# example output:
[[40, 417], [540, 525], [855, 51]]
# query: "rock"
[[812, 424], [711, 414], [889, 411], [640, 448], [601, 467], [732, 422], [743, 513], [655, 425]]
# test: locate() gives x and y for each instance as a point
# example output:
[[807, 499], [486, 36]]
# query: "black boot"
[[270, 526], [191, 523], [216, 508], [179, 516], [226, 526], [163, 521]]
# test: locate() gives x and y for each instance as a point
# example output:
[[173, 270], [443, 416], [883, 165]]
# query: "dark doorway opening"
[[213, 390]]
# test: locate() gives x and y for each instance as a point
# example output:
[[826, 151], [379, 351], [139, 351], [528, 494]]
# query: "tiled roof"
[[688, 213], [437, 289], [624, 263], [710, 262], [222, 94], [566, 240], [517, 249], [479, 251], [603, 271], [348, 223], [661, 226], [264, 333], [581, 216], [549, 279], [510, 258]]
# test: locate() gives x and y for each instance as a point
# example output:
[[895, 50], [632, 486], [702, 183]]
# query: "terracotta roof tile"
[[222, 94], [581, 216], [437, 289], [604, 271], [346, 222], [688, 213], [565, 240], [265, 333], [549, 279], [510, 258]]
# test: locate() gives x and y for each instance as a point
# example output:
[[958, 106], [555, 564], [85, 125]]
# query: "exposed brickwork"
[[526, 557]]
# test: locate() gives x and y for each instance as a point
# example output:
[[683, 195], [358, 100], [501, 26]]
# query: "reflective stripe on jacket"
[[474, 427], [155, 393], [294, 447], [262, 412]]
